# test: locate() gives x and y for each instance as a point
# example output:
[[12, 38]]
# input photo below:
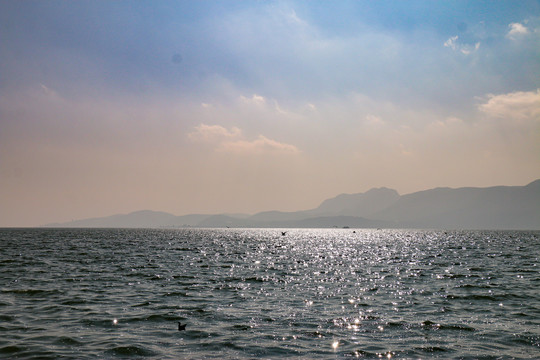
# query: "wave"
[[130, 350]]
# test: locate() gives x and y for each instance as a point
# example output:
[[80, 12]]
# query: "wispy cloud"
[[232, 141], [214, 133], [452, 42], [261, 145], [465, 49], [254, 100]]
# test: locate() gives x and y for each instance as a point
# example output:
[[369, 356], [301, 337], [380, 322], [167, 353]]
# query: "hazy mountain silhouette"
[[137, 219], [499, 207], [364, 204]]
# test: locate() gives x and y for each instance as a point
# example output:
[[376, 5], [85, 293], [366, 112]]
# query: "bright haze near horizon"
[[243, 106]]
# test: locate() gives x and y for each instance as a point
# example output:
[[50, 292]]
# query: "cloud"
[[468, 49], [516, 30], [213, 133], [232, 141], [515, 105], [261, 145], [452, 42], [374, 120], [465, 49], [48, 91], [255, 100]]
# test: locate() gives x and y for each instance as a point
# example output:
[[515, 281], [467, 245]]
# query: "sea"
[[269, 294]]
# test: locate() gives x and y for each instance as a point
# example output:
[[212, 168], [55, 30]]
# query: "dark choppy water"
[[258, 294]]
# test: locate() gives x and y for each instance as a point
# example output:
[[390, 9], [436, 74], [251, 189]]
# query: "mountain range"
[[499, 207]]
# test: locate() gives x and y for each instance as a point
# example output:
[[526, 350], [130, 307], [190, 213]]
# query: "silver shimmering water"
[[255, 293]]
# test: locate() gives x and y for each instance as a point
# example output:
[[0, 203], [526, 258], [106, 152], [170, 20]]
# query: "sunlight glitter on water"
[[257, 294]]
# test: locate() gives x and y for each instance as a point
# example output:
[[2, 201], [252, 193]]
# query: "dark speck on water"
[[253, 293]]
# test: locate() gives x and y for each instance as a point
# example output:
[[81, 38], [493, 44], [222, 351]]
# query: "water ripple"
[[246, 293]]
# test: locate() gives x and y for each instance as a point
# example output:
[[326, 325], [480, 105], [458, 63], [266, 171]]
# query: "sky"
[[245, 106]]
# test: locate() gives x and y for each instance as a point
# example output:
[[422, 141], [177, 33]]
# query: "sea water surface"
[[256, 293]]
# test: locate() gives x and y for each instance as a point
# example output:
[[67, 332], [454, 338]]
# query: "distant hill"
[[364, 204], [137, 219], [499, 207]]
